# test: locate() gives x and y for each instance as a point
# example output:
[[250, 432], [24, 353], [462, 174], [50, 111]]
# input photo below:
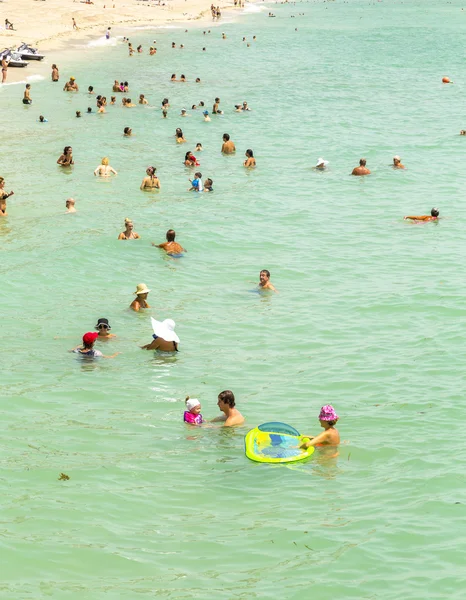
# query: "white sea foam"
[[102, 41], [255, 8], [35, 78]]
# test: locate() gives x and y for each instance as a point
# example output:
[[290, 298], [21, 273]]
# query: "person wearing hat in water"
[[330, 436], [192, 414], [87, 349], [362, 169], [434, 216], [71, 86], [231, 415], [164, 338], [128, 233], [397, 163], [103, 328], [141, 292], [170, 246], [321, 164], [206, 116]]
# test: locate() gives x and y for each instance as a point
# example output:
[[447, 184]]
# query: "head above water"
[[249, 153], [226, 137], [362, 162], [434, 212], [328, 415], [171, 235], [227, 397], [105, 161]]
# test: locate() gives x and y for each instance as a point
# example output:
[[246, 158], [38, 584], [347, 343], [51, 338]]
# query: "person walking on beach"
[[71, 86], [231, 415], [362, 169], [142, 291], [55, 73], [228, 146], [3, 198], [27, 94], [170, 246], [74, 23], [4, 69]]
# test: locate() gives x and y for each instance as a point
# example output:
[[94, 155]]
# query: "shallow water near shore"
[[368, 317]]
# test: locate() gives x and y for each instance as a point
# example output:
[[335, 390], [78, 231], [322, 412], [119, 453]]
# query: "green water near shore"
[[368, 317]]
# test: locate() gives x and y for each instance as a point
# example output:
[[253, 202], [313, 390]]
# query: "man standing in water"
[[170, 246], [362, 169], [231, 415], [228, 146], [264, 281]]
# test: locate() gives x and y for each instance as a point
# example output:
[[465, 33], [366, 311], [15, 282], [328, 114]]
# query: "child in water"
[[330, 436], [193, 413]]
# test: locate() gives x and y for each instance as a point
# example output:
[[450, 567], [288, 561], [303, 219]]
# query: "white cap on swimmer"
[[192, 403]]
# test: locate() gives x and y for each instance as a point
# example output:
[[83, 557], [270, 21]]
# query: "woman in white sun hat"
[[142, 291], [165, 338], [321, 164]]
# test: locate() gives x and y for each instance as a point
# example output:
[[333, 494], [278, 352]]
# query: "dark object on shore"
[[63, 477]]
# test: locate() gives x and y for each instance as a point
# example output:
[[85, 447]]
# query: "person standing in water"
[[71, 86], [69, 203], [151, 182], [362, 169], [3, 198], [231, 415], [55, 73], [397, 163], [434, 216], [142, 291], [103, 327], [128, 233], [27, 94], [170, 246], [66, 159], [250, 160], [228, 146], [330, 436], [104, 169], [264, 281]]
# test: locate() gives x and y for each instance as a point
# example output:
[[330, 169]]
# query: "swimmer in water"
[[179, 136], [3, 198], [397, 163], [434, 216], [27, 94], [103, 327], [264, 281], [198, 147], [87, 349], [362, 169], [250, 160], [196, 183], [127, 132], [151, 182], [69, 203], [208, 185], [228, 146], [42, 119], [215, 108], [330, 436], [170, 246], [71, 86], [231, 416], [104, 169], [192, 414], [164, 338], [66, 159], [321, 164], [142, 291], [142, 99], [129, 233]]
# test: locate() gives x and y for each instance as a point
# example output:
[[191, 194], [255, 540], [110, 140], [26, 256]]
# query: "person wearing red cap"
[[87, 349]]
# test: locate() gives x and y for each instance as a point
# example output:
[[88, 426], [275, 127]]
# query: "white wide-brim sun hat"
[[321, 161], [165, 330]]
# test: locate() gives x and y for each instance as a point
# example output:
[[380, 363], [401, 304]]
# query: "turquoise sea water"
[[369, 316]]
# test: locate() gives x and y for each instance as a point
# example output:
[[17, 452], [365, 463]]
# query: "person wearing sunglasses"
[[103, 327]]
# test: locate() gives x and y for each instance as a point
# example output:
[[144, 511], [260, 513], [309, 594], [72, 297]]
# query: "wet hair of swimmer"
[[266, 272], [434, 212], [126, 129], [90, 88], [227, 397], [151, 170], [66, 149], [78, 113], [198, 174], [89, 109], [249, 153], [226, 137], [179, 133], [171, 235], [362, 162]]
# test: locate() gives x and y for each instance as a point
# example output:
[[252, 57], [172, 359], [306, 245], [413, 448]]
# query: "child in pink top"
[[193, 413]]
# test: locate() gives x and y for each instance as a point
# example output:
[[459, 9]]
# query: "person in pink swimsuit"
[[192, 414]]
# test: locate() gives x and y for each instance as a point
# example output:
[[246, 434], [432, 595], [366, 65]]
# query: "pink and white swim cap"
[[327, 413]]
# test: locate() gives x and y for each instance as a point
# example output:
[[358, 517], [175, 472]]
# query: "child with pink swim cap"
[[193, 413], [330, 436]]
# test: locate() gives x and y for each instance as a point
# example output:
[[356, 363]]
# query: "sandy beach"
[[48, 24]]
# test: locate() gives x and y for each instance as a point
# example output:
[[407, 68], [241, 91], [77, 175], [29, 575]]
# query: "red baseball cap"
[[90, 337]]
